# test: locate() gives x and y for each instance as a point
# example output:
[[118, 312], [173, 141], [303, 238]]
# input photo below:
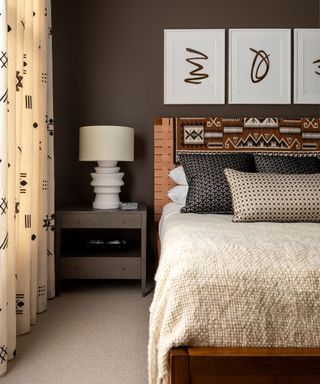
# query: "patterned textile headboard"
[[215, 134]]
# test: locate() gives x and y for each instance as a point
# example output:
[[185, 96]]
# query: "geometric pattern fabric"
[[208, 187], [26, 168], [274, 197], [286, 164], [264, 135]]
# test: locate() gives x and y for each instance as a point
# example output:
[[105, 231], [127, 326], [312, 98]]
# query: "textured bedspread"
[[234, 284]]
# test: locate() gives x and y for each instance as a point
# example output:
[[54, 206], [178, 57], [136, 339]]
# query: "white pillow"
[[178, 194], [178, 176]]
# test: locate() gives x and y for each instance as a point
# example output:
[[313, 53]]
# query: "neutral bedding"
[[168, 210], [221, 283]]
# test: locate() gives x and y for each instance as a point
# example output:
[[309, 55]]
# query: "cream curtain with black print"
[[26, 168]]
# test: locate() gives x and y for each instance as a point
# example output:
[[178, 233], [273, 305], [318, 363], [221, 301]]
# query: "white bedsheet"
[[168, 210], [233, 284]]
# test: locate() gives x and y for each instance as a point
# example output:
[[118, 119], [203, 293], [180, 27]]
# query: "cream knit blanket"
[[234, 284]]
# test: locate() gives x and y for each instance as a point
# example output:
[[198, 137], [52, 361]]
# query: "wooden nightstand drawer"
[[99, 220], [100, 268]]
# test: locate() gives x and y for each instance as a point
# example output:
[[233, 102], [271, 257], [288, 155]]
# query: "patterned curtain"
[[26, 168]]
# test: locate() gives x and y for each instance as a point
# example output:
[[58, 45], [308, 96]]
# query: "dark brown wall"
[[108, 69]]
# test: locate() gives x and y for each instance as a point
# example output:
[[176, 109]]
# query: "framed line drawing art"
[[259, 66], [194, 66], [307, 66]]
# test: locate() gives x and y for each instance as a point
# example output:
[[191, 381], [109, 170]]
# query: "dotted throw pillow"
[[274, 197], [286, 164], [208, 187]]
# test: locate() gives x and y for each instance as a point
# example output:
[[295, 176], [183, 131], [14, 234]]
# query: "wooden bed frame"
[[244, 366], [234, 365]]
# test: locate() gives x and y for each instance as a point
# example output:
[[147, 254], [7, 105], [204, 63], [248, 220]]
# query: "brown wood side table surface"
[[74, 261]]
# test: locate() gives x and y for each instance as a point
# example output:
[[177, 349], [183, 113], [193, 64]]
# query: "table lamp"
[[106, 144]]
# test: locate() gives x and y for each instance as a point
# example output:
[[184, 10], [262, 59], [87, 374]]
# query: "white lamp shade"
[[106, 143]]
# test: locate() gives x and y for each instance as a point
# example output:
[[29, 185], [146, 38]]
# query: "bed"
[[229, 308]]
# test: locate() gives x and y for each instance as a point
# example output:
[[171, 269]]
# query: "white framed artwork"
[[194, 66], [307, 66], [259, 66]]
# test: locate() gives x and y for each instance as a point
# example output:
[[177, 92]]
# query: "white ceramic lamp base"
[[107, 181]]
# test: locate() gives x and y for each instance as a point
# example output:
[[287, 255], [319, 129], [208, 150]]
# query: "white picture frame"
[[194, 66], [307, 66], [259, 66]]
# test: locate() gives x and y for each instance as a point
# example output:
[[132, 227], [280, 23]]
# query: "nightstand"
[[101, 244]]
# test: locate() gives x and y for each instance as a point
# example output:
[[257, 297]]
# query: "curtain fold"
[[3, 188], [12, 183], [26, 168]]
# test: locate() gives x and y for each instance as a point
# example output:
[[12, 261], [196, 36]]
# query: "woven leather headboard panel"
[[216, 134], [163, 163]]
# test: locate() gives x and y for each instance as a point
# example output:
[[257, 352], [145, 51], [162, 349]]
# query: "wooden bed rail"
[[245, 366], [179, 366]]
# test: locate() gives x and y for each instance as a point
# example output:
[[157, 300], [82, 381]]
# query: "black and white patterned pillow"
[[286, 164], [208, 187], [274, 197]]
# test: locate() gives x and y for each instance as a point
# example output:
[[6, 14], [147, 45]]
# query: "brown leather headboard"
[[216, 134]]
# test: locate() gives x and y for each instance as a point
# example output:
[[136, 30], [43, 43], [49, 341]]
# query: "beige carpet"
[[95, 332]]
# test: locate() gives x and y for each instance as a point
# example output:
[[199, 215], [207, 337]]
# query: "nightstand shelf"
[[101, 244]]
